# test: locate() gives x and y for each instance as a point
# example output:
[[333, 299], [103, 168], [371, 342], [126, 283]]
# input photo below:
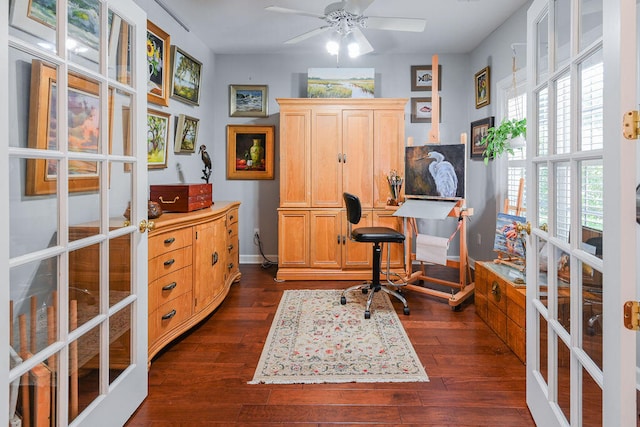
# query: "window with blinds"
[[516, 108]]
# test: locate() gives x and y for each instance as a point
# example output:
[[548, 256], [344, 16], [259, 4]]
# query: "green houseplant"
[[497, 141]]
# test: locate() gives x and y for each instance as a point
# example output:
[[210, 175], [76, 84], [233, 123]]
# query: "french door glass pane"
[[544, 348], [542, 148], [592, 205], [543, 194], [542, 49], [84, 284], [542, 271], [592, 313], [34, 22], [591, 401], [590, 22], [83, 41], [563, 114], [33, 306], [563, 301], [564, 378], [119, 268], [33, 219], [562, 201], [84, 213], [84, 370], [562, 32], [591, 102], [120, 34], [120, 327]]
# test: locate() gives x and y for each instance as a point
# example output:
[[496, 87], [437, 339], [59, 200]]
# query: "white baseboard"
[[256, 259]]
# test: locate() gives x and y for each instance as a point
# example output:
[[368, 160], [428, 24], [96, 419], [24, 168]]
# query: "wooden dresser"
[[327, 147], [501, 303], [193, 259]]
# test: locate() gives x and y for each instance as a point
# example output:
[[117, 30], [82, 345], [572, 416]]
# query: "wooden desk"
[[501, 303]]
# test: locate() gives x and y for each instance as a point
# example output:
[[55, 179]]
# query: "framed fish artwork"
[[421, 110], [422, 76]]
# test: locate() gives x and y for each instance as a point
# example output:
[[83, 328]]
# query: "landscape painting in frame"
[[38, 17], [435, 171], [340, 82]]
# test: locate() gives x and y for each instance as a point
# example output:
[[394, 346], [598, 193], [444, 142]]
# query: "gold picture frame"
[[248, 101], [243, 160], [186, 134], [482, 85], [84, 137], [157, 138], [158, 65], [186, 76]]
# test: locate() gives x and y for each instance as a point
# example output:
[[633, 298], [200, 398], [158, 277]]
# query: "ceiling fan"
[[346, 19]]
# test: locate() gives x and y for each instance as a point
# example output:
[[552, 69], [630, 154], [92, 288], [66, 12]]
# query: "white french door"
[[73, 300], [581, 258]]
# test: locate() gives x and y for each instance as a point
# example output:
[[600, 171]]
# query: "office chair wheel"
[[367, 314], [343, 300], [365, 291], [406, 311]]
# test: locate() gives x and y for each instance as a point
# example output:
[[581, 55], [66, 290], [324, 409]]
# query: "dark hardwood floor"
[[201, 379]]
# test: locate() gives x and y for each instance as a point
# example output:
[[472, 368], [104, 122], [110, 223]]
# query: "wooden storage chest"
[[182, 197]]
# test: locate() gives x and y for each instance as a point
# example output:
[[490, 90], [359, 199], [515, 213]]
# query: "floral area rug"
[[315, 339]]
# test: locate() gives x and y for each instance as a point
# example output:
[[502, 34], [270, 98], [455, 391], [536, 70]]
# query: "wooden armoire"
[[327, 147]]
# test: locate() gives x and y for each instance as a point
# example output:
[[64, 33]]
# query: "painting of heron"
[[435, 171]]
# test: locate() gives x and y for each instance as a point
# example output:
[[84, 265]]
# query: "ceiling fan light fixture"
[[354, 49], [333, 47]]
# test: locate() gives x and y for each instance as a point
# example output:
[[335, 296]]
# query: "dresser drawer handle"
[[230, 248], [230, 266], [166, 202], [231, 217], [170, 286], [214, 258], [230, 231], [169, 240], [169, 315], [495, 289], [169, 262]]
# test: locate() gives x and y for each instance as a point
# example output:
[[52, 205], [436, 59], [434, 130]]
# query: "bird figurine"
[[206, 172]]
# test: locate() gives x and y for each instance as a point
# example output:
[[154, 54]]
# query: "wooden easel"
[[464, 288], [459, 211]]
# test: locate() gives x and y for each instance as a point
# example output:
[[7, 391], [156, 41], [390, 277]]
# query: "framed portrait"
[[250, 152], [84, 130], [422, 78], [158, 48], [421, 110], [38, 18], [482, 88], [478, 131], [248, 101], [186, 134], [186, 76], [157, 138]]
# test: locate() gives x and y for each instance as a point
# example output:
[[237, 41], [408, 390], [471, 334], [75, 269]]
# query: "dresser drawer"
[[232, 216], [173, 313], [232, 231], [516, 339], [497, 321], [516, 301], [170, 286], [170, 262], [169, 241]]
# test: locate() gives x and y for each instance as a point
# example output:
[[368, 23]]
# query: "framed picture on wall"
[[479, 130], [157, 138], [158, 69], [422, 78], [250, 152], [186, 134], [248, 101], [421, 110], [482, 88], [186, 76]]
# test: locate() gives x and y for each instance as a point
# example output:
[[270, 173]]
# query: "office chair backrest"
[[354, 209]]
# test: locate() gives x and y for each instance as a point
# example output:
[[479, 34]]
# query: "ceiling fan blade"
[[292, 11], [365, 46], [307, 35], [396, 24], [356, 7]]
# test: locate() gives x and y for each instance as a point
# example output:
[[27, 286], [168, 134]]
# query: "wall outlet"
[[256, 232], [479, 239]]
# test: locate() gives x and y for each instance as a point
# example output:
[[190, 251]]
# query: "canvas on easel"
[[435, 171]]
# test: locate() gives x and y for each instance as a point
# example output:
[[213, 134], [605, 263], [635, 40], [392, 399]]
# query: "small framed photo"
[[250, 152], [157, 138], [478, 131], [186, 134], [482, 88], [421, 110], [158, 48], [422, 77], [186, 76], [248, 101]]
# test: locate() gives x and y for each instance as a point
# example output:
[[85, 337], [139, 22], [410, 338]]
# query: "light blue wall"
[[285, 76]]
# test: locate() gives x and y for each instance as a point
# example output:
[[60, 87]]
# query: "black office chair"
[[377, 236]]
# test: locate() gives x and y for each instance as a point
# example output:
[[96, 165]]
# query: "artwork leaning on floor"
[[435, 171], [340, 82]]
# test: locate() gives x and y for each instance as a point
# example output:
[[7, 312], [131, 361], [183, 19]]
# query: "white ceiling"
[[245, 27]]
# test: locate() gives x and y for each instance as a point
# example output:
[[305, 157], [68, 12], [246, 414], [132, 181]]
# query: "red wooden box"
[[182, 197]]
